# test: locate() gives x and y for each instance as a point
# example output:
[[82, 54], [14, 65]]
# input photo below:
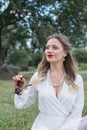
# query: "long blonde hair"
[[69, 66]]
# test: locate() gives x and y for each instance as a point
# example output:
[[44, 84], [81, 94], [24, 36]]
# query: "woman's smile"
[[49, 55]]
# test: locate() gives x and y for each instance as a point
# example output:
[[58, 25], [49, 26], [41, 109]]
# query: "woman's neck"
[[57, 68]]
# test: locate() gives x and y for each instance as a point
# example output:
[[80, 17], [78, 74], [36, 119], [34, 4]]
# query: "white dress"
[[56, 113]]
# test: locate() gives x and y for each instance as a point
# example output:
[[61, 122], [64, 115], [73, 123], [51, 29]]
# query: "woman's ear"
[[65, 54]]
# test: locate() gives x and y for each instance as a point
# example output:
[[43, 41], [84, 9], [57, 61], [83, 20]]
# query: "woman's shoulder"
[[34, 76], [78, 78]]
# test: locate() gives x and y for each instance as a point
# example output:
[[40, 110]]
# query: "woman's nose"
[[50, 50]]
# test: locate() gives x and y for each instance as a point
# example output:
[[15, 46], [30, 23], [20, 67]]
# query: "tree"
[[36, 19], [80, 55], [71, 20], [18, 23], [11, 31]]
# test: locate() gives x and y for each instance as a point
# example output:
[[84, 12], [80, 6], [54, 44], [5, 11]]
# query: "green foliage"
[[35, 58], [71, 20], [35, 20], [18, 56], [80, 55]]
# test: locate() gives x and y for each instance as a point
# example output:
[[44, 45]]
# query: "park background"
[[24, 27]]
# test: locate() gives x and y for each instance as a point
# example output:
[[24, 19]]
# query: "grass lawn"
[[84, 75], [13, 119]]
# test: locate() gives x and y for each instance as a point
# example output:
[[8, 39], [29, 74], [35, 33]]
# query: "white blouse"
[[56, 113]]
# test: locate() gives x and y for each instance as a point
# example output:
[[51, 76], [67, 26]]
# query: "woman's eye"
[[46, 47], [55, 47]]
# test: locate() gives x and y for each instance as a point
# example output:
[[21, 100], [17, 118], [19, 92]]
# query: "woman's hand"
[[19, 82]]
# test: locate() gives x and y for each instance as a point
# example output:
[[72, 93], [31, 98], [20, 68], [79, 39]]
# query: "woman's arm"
[[27, 97], [73, 121]]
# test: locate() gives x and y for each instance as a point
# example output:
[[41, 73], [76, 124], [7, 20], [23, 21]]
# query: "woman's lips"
[[49, 56]]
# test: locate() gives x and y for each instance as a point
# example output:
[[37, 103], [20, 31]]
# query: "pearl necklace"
[[57, 84]]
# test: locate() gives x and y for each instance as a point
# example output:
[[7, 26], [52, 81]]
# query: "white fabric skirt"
[[48, 122]]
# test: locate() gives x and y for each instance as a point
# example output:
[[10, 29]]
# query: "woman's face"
[[54, 51]]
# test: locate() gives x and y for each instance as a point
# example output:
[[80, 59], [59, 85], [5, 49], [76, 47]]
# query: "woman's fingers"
[[18, 80], [18, 77]]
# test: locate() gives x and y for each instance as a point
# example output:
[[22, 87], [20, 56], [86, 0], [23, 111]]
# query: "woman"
[[57, 86]]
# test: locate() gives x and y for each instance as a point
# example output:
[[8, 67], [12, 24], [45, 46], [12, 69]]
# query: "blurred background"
[[24, 27]]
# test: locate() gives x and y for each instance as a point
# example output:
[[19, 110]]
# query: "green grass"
[[83, 66], [10, 117], [84, 75], [13, 119]]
